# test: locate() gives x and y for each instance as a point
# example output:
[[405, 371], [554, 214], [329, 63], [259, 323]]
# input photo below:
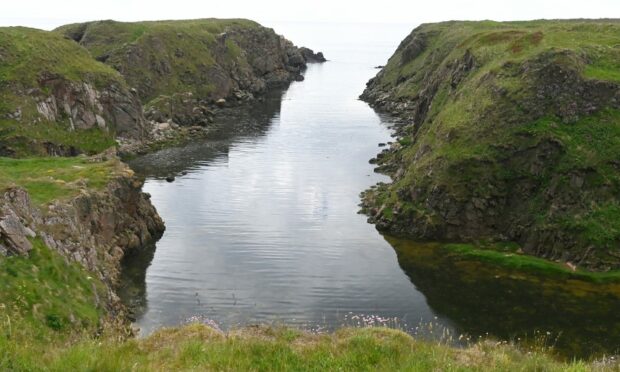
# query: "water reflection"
[[578, 317], [231, 126], [132, 290]]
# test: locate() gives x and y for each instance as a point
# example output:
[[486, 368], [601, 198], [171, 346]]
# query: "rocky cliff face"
[[95, 229], [111, 108], [511, 133], [50, 84]]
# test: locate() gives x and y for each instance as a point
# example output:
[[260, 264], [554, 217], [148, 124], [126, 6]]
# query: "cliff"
[[511, 132], [56, 100], [86, 87], [92, 213], [181, 69]]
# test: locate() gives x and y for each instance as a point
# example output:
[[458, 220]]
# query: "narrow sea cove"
[[263, 226]]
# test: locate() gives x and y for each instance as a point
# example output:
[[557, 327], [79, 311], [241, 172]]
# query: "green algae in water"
[[576, 315]]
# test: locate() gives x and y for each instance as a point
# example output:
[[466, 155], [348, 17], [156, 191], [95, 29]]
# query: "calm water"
[[262, 223]]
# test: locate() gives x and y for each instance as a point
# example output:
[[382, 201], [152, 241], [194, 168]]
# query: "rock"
[[14, 235], [310, 57], [170, 179], [382, 144], [221, 102]]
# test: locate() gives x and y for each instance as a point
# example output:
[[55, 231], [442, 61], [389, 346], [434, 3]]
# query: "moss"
[[22, 139]]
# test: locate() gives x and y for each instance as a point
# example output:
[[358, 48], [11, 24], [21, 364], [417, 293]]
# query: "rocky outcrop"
[[311, 57], [113, 108], [504, 139], [95, 229]]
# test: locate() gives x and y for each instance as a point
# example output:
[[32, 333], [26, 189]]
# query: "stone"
[[14, 235]]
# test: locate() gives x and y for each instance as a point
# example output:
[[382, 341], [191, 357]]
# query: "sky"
[[48, 14]]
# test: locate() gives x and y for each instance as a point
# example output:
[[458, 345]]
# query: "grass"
[[42, 298], [50, 179], [27, 53], [198, 347]]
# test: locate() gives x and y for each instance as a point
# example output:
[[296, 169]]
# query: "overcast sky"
[[48, 14]]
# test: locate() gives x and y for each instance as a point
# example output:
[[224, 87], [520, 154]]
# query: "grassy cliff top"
[[102, 37], [167, 57], [27, 54], [495, 43], [51, 179]]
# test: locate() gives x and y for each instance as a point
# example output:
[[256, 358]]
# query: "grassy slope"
[[197, 347], [25, 56], [175, 56], [44, 300], [465, 129]]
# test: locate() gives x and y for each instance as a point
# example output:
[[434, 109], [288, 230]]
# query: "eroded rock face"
[[113, 108], [14, 231], [95, 229]]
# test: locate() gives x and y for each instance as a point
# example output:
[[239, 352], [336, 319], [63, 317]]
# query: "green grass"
[[27, 53], [28, 58], [43, 297], [49, 179], [197, 347]]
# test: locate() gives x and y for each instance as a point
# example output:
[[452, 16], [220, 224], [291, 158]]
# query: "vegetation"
[[198, 347], [43, 300], [28, 59], [49, 179], [27, 53], [167, 57], [24, 140], [515, 122]]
